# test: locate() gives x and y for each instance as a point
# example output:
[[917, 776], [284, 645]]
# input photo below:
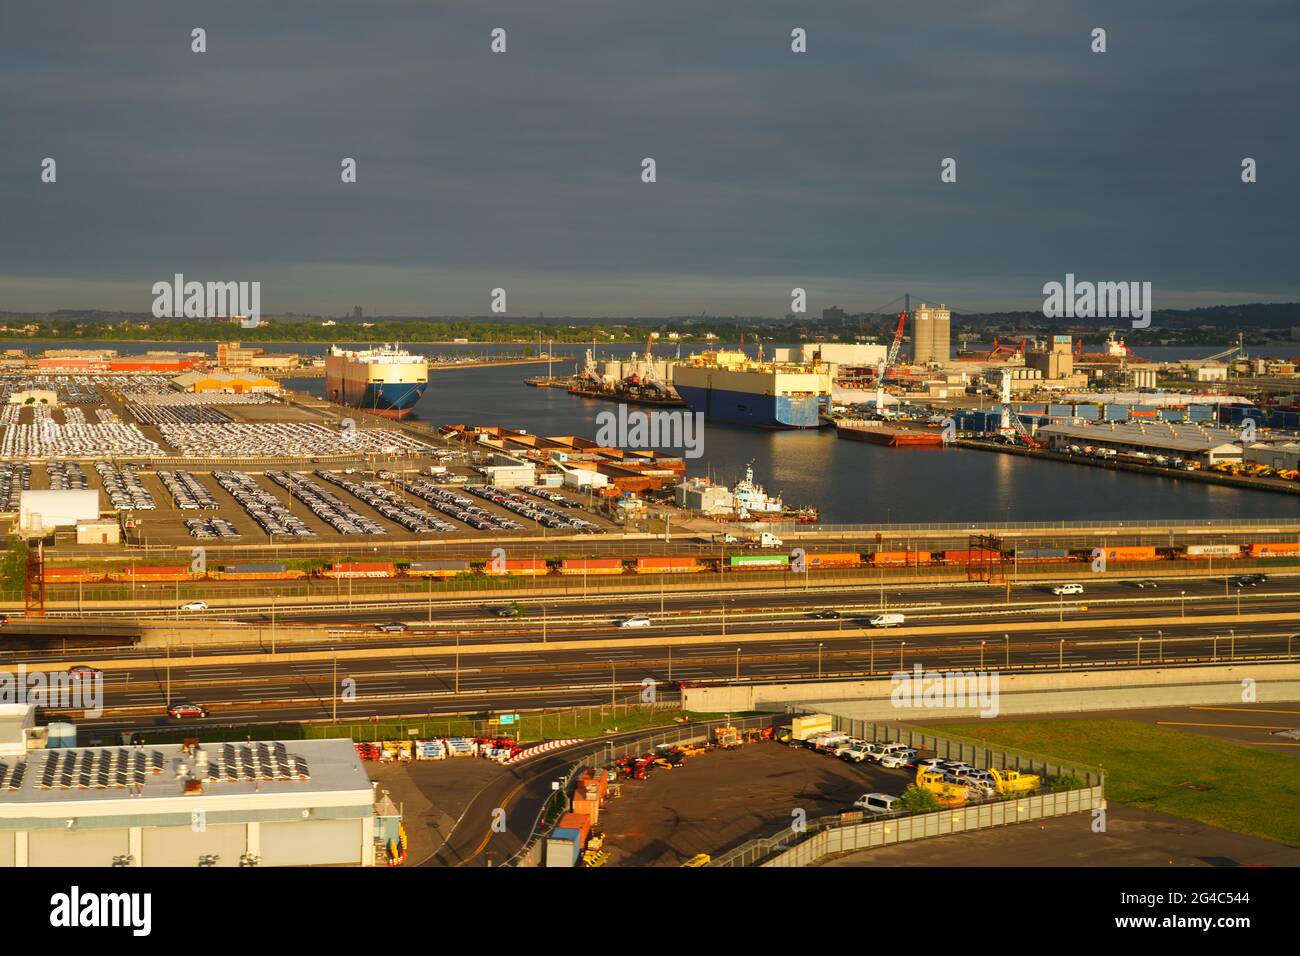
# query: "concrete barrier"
[[1020, 693]]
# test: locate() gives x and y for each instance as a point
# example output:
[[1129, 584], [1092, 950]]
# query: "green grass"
[[1254, 790]]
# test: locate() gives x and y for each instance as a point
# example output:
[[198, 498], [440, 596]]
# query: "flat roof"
[[1176, 436], [121, 780]]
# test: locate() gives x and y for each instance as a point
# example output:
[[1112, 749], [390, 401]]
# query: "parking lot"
[[720, 799]]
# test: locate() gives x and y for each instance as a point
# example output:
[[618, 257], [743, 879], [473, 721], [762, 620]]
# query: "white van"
[[876, 803], [892, 619]]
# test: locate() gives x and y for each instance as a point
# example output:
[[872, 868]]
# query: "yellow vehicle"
[[694, 750], [727, 738], [1013, 781], [949, 795], [699, 859]]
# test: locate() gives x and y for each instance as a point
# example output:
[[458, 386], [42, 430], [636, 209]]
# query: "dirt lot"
[[1133, 837], [723, 798], [431, 795]]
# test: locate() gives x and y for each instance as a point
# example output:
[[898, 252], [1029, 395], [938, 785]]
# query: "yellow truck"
[[949, 795], [1013, 781]]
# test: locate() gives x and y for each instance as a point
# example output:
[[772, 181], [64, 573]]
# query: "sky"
[[522, 170]]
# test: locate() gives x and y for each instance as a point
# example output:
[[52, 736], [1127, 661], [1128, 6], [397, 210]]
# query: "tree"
[[13, 565], [919, 800]]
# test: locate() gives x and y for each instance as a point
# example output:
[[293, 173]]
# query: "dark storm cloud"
[[522, 170]]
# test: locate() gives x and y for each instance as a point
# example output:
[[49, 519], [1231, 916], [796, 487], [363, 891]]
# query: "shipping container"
[[970, 556], [834, 559], [362, 569], [561, 850], [578, 820], [530, 567], [668, 565], [1214, 550], [1042, 554], [1275, 549], [1200, 413], [62, 575], [759, 560], [903, 558], [1136, 553], [1115, 413], [1089, 412], [251, 567], [591, 566], [155, 573], [437, 569], [810, 725]]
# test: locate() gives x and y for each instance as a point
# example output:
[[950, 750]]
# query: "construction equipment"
[[726, 738], [594, 857], [1013, 781], [949, 795], [694, 750], [699, 859]]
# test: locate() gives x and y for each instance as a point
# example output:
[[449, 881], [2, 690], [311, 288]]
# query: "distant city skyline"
[[523, 170]]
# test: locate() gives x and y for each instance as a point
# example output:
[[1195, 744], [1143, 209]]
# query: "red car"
[[183, 708], [83, 670]]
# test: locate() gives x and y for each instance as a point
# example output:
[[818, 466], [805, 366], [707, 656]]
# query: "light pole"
[[1061, 618], [457, 688], [738, 663], [1139, 650], [982, 643], [1232, 644], [1060, 656], [872, 662], [613, 683], [543, 622], [1238, 602], [1183, 597], [670, 663], [1215, 647], [819, 661], [723, 604], [901, 645], [1007, 640], [1160, 636], [430, 600], [336, 686]]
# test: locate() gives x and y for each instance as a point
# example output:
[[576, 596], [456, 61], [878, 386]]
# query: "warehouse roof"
[[1174, 436], [116, 780]]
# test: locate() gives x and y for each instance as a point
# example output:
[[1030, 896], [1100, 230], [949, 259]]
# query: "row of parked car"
[[326, 505], [531, 509], [262, 506], [188, 493], [211, 528], [125, 490], [66, 475], [898, 755], [461, 508], [14, 480], [389, 504]]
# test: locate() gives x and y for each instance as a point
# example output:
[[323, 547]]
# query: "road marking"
[[1178, 723], [1247, 710]]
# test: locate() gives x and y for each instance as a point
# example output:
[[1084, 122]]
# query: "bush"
[[919, 800], [1066, 781]]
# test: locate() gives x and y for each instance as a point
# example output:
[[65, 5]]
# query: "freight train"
[[680, 564]]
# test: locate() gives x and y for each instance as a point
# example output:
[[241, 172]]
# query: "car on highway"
[[890, 619], [825, 614], [391, 627], [508, 610], [195, 606], [83, 670], [4, 619], [1146, 583], [1072, 588], [182, 709], [636, 620], [876, 803], [1248, 580]]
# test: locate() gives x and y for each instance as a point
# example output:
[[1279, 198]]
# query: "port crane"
[[1011, 423], [1239, 347], [891, 358]]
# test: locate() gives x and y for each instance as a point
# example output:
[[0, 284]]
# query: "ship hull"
[[747, 408], [390, 391]]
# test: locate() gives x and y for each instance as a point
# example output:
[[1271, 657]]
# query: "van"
[[892, 619], [876, 803]]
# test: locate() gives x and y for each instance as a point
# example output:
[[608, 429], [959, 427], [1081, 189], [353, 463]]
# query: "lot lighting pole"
[[738, 663], [457, 689], [982, 643], [1238, 602], [613, 683], [902, 645], [1007, 639], [1160, 636], [1232, 644], [1139, 650], [819, 661], [1183, 596], [1060, 656]]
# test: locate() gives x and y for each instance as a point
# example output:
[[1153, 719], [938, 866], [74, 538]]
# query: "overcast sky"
[[522, 170]]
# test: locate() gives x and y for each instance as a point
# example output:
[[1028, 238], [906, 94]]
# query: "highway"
[[452, 667]]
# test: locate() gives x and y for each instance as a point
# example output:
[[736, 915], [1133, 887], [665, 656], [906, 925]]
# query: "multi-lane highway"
[[576, 655]]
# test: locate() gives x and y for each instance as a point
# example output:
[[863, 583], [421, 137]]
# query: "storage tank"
[[922, 336]]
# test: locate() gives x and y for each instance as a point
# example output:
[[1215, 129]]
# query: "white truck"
[[769, 540]]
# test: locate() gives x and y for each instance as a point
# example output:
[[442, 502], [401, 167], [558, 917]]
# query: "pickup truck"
[[828, 741]]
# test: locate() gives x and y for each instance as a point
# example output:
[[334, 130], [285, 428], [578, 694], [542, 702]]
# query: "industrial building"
[[931, 335], [503, 471], [269, 803], [1189, 441], [705, 497], [42, 511], [231, 383], [232, 356]]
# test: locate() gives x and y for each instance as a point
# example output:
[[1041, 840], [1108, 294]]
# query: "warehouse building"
[[297, 803], [42, 511], [232, 383], [1190, 442]]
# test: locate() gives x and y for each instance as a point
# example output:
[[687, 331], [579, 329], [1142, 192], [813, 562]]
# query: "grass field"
[[1251, 790]]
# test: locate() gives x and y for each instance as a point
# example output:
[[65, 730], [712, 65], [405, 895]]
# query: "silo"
[[922, 336], [940, 350]]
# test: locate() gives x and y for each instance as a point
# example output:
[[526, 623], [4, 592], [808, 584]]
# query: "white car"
[[635, 621], [876, 803], [1067, 589], [899, 758], [195, 606], [838, 750], [859, 753]]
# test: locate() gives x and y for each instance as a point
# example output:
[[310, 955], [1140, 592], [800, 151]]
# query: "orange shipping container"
[[591, 566], [668, 565], [841, 559], [54, 575], [528, 567], [590, 808], [1141, 553], [909, 558], [577, 821], [1274, 549], [156, 573]]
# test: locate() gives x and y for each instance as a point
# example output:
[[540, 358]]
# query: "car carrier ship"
[[385, 381], [731, 387]]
